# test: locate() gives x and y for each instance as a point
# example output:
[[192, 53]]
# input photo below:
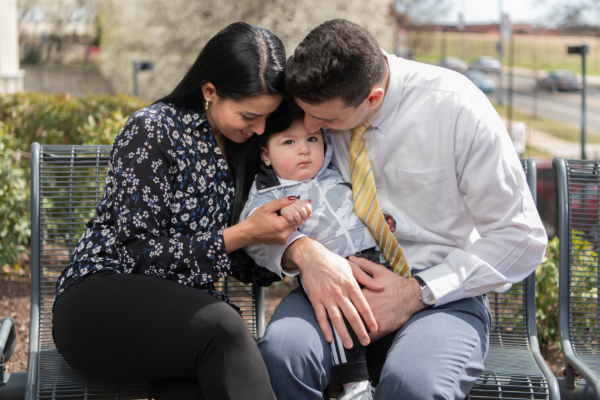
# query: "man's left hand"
[[393, 306]]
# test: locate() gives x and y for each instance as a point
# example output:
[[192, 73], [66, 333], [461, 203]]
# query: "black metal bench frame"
[[67, 183], [515, 367], [578, 185]]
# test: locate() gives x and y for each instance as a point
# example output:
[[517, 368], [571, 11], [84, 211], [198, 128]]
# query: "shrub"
[[49, 119], [62, 119], [546, 278], [14, 207], [546, 295]]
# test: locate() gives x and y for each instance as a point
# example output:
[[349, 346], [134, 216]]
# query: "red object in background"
[[95, 49], [546, 196]]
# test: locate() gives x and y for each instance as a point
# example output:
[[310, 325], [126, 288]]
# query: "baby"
[[297, 163]]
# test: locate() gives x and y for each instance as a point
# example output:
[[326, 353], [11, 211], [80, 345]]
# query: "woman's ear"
[[209, 92], [264, 154]]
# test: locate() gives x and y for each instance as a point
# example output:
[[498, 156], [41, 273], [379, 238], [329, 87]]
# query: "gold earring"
[[206, 106]]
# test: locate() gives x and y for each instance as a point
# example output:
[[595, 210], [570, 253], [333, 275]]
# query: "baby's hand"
[[297, 212], [390, 221]]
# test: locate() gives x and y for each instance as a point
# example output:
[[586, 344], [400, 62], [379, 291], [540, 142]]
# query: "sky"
[[485, 11]]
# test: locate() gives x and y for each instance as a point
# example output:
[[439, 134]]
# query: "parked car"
[[482, 80], [454, 63], [560, 79], [486, 64]]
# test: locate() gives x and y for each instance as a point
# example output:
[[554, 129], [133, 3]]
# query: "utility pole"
[[583, 50], [440, 29], [511, 61], [500, 49], [462, 26]]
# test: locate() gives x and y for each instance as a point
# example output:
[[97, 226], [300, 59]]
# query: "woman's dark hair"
[[336, 59], [241, 61]]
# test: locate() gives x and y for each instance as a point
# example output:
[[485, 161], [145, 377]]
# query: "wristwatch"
[[426, 296]]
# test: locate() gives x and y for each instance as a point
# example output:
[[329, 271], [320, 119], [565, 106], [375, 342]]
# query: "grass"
[[555, 128], [531, 151], [531, 51]]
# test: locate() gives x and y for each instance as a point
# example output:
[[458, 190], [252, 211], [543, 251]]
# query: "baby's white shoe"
[[357, 391]]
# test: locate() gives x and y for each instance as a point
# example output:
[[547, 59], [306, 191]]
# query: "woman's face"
[[240, 120]]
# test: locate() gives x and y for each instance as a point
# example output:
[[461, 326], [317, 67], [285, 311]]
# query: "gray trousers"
[[438, 353]]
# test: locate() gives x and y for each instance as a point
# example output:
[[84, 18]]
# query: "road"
[[560, 105]]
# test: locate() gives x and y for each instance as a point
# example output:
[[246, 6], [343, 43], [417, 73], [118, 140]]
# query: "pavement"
[[558, 147]]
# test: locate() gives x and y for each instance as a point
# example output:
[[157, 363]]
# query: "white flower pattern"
[[169, 195]]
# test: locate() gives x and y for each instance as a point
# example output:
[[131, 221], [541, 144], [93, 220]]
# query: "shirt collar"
[[386, 114]]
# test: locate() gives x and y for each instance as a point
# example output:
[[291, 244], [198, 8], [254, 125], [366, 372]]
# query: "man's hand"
[[393, 306], [332, 289]]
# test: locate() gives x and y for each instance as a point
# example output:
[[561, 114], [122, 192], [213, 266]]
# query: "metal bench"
[[514, 368], [579, 234], [67, 183]]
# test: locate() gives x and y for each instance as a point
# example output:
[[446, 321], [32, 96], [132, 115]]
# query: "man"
[[445, 170]]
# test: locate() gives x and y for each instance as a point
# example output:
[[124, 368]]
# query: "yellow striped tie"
[[366, 203]]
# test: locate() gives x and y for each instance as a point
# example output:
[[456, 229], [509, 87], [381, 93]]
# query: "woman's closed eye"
[[248, 118]]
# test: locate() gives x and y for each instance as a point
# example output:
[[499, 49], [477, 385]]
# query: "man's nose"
[[312, 124]]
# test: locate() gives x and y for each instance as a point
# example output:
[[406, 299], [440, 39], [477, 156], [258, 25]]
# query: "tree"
[[575, 17], [418, 18], [55, 14], [172, 32]]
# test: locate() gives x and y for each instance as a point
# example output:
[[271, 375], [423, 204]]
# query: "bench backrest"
[[514, 310], [67, 183], [579, 240]]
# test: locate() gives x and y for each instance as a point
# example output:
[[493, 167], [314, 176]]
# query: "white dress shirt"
[[446, 170]]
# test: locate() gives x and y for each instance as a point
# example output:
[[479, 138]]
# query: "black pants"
[[126, 328]]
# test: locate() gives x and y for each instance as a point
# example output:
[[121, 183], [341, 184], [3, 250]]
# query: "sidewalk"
[[558, 147]]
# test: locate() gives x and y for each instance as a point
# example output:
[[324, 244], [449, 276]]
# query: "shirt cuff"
[[443, 282], [276, 254]]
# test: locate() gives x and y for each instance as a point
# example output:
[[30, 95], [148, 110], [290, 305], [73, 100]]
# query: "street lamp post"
[[583, 50], [140, 66]]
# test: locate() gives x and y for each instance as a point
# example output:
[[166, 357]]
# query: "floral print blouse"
[[168, 197]]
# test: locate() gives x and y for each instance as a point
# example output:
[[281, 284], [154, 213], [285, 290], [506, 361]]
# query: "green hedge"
[[62, 119], [31, 117], [15, 229]]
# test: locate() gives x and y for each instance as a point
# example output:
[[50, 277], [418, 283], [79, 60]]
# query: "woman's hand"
[[263, 226]]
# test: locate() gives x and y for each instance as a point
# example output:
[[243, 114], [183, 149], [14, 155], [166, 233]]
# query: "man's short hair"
[[336, 59]]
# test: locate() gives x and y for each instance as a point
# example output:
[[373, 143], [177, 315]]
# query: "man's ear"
[[375, 96], [264, 154]]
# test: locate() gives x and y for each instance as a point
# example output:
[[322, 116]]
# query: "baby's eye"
[[313, 139], [288, 142]]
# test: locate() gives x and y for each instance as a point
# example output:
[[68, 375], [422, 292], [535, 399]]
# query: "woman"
[[137, 302]]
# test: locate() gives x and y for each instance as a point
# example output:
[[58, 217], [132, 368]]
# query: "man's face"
[[333, 115]]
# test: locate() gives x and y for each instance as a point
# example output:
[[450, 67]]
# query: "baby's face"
[[295, 154]]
